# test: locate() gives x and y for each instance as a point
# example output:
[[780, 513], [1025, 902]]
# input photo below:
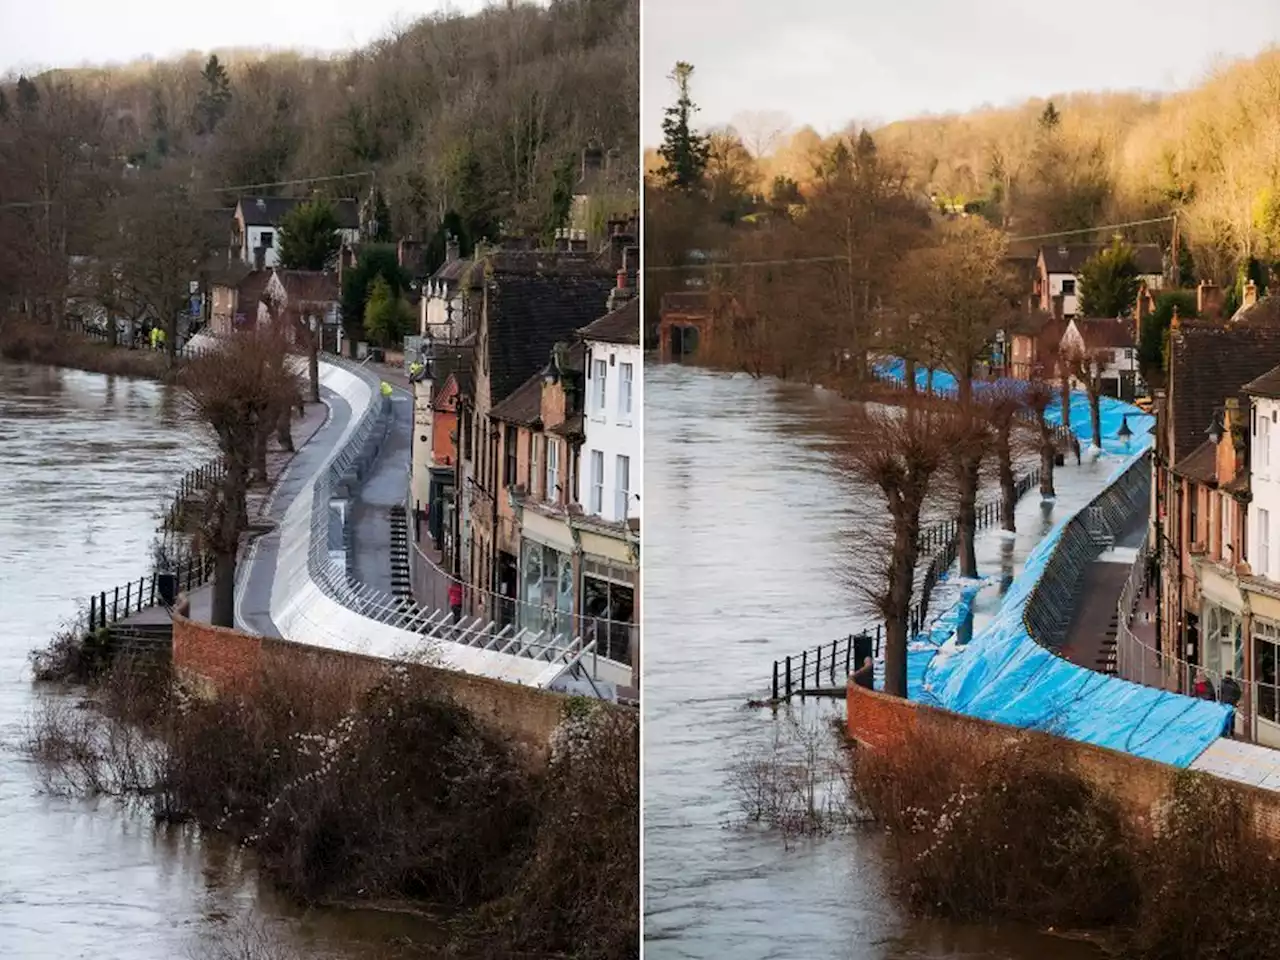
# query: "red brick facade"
[[219, 659]]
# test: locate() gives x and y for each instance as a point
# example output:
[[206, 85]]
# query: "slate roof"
[[1070, 257], [249, 292], [1264, 310], [524, 406], [619, 326], [269, 211], [1101, 333], [1209, 362], [528, 312]]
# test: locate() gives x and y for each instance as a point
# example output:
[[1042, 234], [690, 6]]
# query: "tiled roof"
[[310, 286], [1103, 333], [570, 427], [524, 406], [250, 290], [454, 270], [619, 326], [1031, 323], [1267, 385], [1209, 362], [1264, 310], [269, 211], [528, 313], [1201, 464], [1070, 257]]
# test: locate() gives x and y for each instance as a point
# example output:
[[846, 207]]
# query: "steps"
[[401, 583]]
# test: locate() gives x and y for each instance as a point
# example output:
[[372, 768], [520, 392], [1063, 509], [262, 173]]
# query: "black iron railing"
[[161, 588]]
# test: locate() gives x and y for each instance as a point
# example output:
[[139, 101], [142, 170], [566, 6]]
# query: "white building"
[[441, 316], [609, 475], [256, 227], [1262, 544], [1110, 346], [1058, 272]]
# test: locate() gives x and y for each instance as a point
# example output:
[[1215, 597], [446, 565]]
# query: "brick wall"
[[877, 722], [215, 658]]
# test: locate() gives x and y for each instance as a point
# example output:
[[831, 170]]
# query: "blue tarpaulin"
[[1005, 676]]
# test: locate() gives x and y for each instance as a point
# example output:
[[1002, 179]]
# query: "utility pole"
[[1175, 265]]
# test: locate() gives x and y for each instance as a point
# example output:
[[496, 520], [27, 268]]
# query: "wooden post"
[[153, 590], [141, 582], [93, 612], [877, 653], [804, 670], [848, 654], [775, 680], [128, 597], [115, 606], [788, 677], [102, 608]]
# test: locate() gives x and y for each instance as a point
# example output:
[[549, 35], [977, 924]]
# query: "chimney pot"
[[1250, 294]]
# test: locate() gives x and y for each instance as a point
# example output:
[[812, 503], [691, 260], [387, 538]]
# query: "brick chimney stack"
[[1250, 294], [1208, 299], [451, 249]]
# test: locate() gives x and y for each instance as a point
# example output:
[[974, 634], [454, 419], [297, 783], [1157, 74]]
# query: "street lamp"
[[1125, 433], [1215, 430]]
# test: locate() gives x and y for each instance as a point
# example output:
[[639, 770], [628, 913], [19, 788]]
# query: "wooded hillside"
[[484, 117]]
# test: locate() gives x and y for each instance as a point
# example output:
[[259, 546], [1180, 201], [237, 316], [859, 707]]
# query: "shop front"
[[546, 591]]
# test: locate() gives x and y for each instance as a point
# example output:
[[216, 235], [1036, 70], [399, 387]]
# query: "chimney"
[[578, 241], [1250, 294], [625, 289], [562, 240], [1208, 299], [259, 257], [592, 161], [1175, 322], [451, 248]]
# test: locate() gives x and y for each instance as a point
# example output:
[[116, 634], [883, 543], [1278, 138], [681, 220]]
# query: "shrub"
[[986, 828]]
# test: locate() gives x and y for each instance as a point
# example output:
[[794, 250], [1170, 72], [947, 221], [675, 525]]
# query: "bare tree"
[[156, 251], [1085, 366], [761, 130], [237, 391], [1003, 403], [963, 291], [898, 450], [1039, 397]]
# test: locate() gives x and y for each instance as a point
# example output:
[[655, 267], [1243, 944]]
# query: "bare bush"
[[796, 783], [986, 827]]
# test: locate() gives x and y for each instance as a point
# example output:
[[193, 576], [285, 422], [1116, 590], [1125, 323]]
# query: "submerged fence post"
[[775, 680], [788, 677], [804, 669]]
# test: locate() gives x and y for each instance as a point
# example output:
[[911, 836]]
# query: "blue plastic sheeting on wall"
[[930, 641], [1005, 676]]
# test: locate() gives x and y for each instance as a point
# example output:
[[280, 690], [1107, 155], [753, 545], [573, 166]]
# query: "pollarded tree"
[[684, 152], [963, 292], [309, 238], [1109, 281], [237, 392], [901, 451]]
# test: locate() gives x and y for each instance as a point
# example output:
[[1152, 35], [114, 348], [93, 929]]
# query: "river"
[[747, 558], [86, 463]]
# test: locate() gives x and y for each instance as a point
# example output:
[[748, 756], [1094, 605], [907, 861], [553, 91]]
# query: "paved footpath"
[[385, 486], [262, 507]]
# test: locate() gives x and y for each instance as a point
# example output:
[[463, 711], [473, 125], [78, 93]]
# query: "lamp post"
[[1125, 433]]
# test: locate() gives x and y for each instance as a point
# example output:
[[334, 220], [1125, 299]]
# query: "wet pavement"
[[386, 484]]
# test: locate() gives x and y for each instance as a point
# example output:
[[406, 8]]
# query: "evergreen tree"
[[309, 238], [684, 153], [4, 106], [1050, 118], [375, 260], [215, 98], [28, 95], [1109, 281], [387, 317], [381, 226], [1153, 343]]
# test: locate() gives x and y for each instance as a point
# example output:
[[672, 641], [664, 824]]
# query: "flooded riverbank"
[[748, 557], [86, 463]]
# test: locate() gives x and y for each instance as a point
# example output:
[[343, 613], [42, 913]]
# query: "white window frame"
[[1264, 445], [535, 464], [626, 387], [1262, 555], [597, 482], [600, 383], [622, 484], [553, 471]]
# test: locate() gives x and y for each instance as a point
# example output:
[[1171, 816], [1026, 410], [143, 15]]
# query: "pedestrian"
[[386, 389], [1203, 687], [1230, 690], [1075, 448], [455, 600]]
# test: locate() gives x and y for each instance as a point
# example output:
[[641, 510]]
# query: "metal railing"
[[346, 469], [833, 660], [121, 602], [1053, 600]]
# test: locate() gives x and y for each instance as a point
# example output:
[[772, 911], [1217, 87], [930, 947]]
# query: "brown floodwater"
[[86, 463], [749, 556]]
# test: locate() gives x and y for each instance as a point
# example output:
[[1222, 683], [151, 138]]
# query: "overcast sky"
[[68, 33], [827, 62]]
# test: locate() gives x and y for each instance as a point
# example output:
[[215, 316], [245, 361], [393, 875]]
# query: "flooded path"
[[748, 557], [86, 462]]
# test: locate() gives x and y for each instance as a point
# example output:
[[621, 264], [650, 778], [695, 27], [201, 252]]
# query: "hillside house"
[[1058, 273], [255, 227]]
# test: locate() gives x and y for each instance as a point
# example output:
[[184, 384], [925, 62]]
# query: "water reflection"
[[747, 542], [85, 464]]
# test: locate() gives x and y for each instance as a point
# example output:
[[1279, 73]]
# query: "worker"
[[155, 338], [386, 389], [415, 370]]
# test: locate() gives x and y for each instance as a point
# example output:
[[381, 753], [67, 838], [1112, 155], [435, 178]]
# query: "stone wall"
[[216, 658], [876, 721]]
